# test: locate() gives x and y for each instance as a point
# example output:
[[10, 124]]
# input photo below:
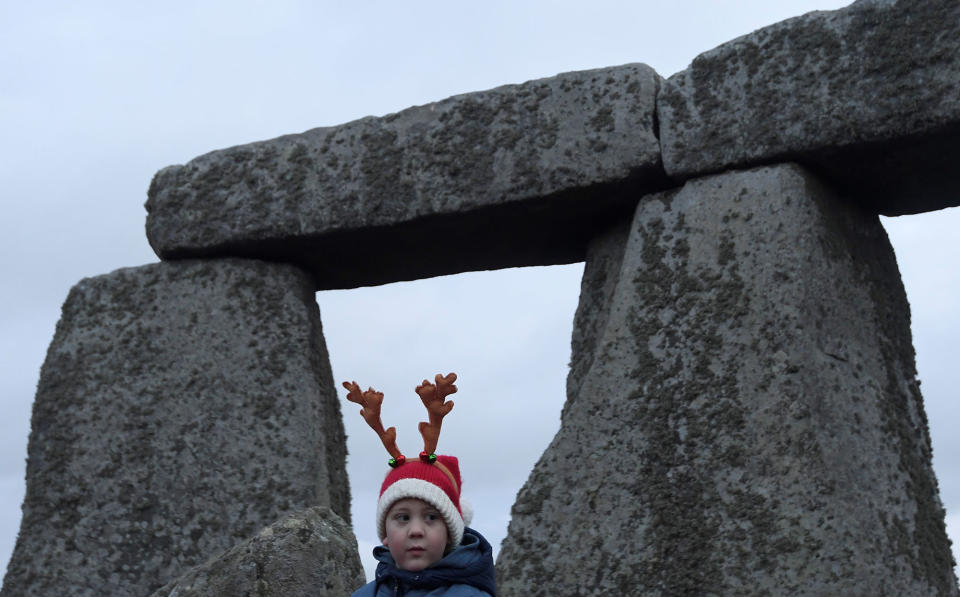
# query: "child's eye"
[[401, 517]]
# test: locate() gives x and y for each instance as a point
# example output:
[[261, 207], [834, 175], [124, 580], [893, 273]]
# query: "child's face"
[[416, 534]]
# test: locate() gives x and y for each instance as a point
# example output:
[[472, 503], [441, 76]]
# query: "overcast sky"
[[97, 96]]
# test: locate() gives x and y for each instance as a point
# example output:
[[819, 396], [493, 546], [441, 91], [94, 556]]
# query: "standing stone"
[[312, 553], [517, 175], [748, 420], [181, 408]]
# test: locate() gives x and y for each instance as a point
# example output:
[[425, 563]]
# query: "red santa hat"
[[433, 479], [437, 483]]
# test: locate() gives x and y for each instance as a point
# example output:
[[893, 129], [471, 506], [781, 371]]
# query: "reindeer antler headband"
[[432, 395]]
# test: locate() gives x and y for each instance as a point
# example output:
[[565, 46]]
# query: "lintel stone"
[[518, 175], [867, 96]]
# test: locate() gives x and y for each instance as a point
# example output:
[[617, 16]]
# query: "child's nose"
[[416, 528]]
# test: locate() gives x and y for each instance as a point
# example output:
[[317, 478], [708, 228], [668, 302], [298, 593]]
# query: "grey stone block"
[[517, 175], [181, 408], [750, 422], [867, 96], [312, 553]]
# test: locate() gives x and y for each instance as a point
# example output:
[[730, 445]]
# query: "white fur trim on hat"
[[428, 492], [466, 508]]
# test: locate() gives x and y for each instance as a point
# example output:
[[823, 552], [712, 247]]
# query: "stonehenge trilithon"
[[742, 412], [747, 421], [182, 407]]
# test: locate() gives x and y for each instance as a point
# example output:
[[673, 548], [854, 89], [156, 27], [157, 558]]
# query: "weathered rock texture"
[[312, 553], [518, 175], [743, 415], [181, 408], [868, 96]]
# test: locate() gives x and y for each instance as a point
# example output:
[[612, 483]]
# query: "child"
[[427, 551]]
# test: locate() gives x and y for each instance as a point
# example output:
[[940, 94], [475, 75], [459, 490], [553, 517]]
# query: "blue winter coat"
[[467, 571]]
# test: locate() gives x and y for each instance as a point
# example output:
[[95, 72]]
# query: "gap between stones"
[[506, 334]]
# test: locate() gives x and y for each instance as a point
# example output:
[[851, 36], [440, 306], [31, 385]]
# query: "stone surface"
[[748, 422], [518, 175], [867, 96], [181, 408], [312, 553]]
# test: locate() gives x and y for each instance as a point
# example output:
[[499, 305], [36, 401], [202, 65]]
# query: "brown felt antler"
[[371, 401], [433, 398]]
